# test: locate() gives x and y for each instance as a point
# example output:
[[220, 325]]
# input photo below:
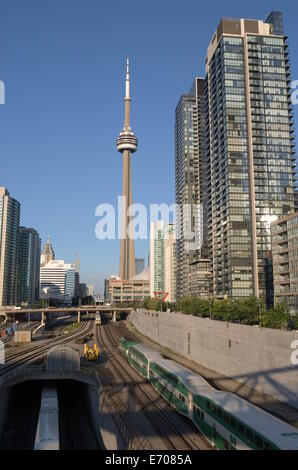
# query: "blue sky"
[[63, 64]]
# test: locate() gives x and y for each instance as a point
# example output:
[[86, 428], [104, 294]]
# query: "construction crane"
[[91, 354]]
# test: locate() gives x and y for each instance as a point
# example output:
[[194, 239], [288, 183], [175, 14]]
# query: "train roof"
[[49, 399], [274, 429], [149, 353], [193, 382], [49, 392]]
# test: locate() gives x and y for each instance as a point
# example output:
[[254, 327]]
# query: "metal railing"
[[29, 371]]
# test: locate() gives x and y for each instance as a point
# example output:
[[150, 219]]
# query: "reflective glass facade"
[[229, 183], [190, 184], [273, 148], [252, 154], [285, 261], [29, 266], [9, 244]]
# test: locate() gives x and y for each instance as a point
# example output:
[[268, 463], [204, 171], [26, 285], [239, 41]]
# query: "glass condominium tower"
[[9, 244], [251, 151], [29, 266], [190, 183]]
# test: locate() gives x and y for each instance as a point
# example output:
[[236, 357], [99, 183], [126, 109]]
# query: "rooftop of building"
[[241, 27], [56, 264], [3, 191]]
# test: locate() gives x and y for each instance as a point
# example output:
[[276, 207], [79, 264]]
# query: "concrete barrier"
[[261, 358]]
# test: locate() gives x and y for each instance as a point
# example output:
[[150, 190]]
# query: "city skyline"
[[148, 302], [85, 167]]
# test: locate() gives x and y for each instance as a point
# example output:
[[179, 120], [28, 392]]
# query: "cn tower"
[[127, 144]]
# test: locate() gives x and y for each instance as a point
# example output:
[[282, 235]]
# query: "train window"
[[182, 397], [233, 423], [213, 409], [226, 417], [219, 413], [202, 415], [249, 434], [241, 428], [259, 442], [208, 405]]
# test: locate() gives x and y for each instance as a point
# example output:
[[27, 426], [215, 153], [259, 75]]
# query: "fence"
[[22, 373]]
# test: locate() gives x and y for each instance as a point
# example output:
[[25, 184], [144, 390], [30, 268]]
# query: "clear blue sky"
[[63, 62]]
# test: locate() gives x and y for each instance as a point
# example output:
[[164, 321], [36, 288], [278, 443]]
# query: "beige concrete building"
[[135, 289], [170, 266], [162, 260], [284, 234]]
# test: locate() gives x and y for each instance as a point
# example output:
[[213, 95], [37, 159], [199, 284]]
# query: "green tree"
[[277, 317]]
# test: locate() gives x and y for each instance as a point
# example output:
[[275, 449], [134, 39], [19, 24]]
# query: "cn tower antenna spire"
[[127, 81]]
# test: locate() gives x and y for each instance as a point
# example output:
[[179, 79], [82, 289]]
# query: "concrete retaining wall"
[[258, 357]]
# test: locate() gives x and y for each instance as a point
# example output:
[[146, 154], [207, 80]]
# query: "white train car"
[[231, 422], [97, 319], [47, 432], [228, 421]]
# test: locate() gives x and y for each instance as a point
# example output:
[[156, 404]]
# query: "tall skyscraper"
[[190, 183], [90, 290], [29, 266], [127, 144], [47, 253], [9, 239], [170, 264], [57, 281], [251, 150], [157, 257], [162, 237]]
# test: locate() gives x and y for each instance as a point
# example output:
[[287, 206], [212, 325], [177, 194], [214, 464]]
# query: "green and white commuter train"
[[228, 421]]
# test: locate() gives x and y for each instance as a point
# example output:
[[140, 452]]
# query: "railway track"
[[39, 351], [173, 431], [19, 431], [75, 430], [192, 435]]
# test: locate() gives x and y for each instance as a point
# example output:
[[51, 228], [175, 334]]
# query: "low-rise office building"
[[135, 289]]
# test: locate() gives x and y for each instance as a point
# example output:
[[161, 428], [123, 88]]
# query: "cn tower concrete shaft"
[[127, 267], [127, 144]]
